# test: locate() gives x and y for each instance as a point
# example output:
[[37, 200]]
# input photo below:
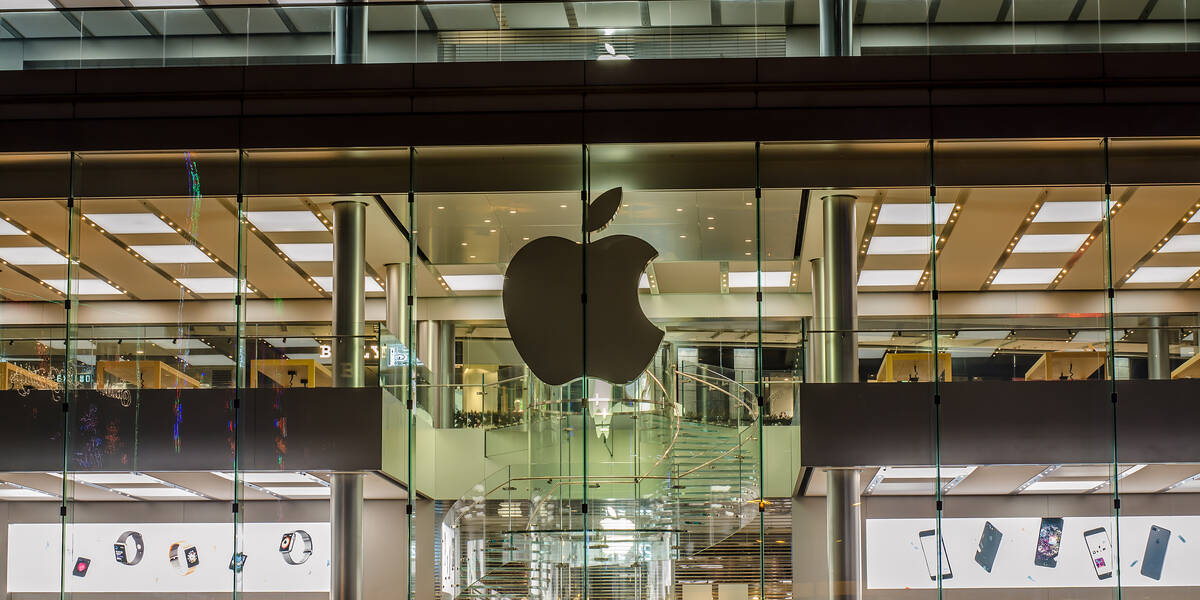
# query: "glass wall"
[[721, 370]]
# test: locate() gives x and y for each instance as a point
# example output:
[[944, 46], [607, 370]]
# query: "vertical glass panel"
[[1055, 26], [119, 38], [1154, 337], [859, 213], [894, 26], [1023, 315], [33, 343]]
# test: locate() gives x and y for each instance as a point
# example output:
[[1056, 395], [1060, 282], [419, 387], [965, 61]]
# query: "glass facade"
[[39, 34], [724, 370]]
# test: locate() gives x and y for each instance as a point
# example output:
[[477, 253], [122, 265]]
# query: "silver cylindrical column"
[[345, 518], [349, 34], [396, 315], [843, 516], [837, 18], [435, 348], [840, 290], [349, 315], [1158, 349], [816, 338]]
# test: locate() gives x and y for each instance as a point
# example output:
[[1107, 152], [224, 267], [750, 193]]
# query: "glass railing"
[[292, 32]]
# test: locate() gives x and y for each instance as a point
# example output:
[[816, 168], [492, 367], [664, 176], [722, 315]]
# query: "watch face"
[[285, 544], [191, 556], [119, 550], [81, 566]]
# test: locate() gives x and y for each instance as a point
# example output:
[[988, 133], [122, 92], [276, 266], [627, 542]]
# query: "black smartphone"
[[237, 562], [1049, 541], [928, 541], [1100, 548], [989, 544], [81, 567], [1156, 551]]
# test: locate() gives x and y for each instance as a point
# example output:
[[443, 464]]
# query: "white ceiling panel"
[[182, 22], [896, 11], [608, 14], [251, 20], [535, 15], [42, 25], [736, 12], [111, 23], [681, 13], [968, 11], [464, 16]]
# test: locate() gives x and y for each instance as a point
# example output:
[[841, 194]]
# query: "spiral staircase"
[[671, 469]]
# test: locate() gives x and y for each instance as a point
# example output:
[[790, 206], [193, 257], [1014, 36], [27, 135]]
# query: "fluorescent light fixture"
[[913, 214], [161, 3], [1195, 218], [293, 342], [875, 336], [32, 255], [210, 285], [1078, 485], [7, 228], [1070, 212], [871, 353], [889, 277], [270, 477], [983, 334], [474, 283], [770, 279], [285, 220], [114, 478], [325, 360], [208, 360], [156, 492], [130, 223], [294, 492], [172, 254], [1182, 243], [901, 244], [971, 351], [84, 287], [1090, 336], [1025, 276], [181, 344], [308, 252], [326, 284], [643, 282], [924, 472], [22, 492], [1162, 274], [28, 5], [1050, 242]]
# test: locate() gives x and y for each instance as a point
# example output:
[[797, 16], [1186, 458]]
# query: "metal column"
[[843, 520], [350, 33], [839, 288], [1158, 349], [349, 314], [435, 347], [836, 17], [396, 315], [816, 337]]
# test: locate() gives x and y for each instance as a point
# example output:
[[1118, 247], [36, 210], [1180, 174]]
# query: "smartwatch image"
[[289, 544], [184, 557], [129, 548]]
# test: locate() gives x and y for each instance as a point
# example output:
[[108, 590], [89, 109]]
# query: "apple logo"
[[543, 303]]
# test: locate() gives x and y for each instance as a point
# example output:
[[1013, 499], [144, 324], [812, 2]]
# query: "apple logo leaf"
[[602, 210]]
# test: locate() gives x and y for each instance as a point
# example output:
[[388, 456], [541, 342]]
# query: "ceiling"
[[185, 486]]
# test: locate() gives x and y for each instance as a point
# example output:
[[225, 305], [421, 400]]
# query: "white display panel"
[[34, 558], [895, 559]]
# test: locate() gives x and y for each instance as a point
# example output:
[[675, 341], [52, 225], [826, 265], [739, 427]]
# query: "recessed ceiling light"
[[749, 279], [114, 478], [308, 252], [156, 492], [7, 492], [643, 282], [29, 4], [269, 477], [181, 344], [210, 285], [913, 214], [84, 287], [208, 360], [1182, 243], [293, 342], [7, 228], [130, 223], [285, 220], [172, 254], [900, 244], [474, 283], [983, 334], [1069, 485], [1050, 242], [1162, 274], [32, 255], [161, 3], [326, 283], [925, 472], [297, 491], [1025, 276], [889, 277], [1070, 212]]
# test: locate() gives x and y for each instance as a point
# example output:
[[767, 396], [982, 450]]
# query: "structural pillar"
[[816, 336], [836, 19], [843, 518], [350, 33], [435, 347], [1158, 349], [396, 314], [349, 316]]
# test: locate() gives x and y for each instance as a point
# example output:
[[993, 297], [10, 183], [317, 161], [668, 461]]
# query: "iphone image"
[[1049, 541], [1156, 551], [928, 541], [1100, 549], [989, 545]]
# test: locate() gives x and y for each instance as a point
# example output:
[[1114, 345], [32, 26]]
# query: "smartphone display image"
[[237, 562], [81, 567], [989, 544], [1156, 551], [928, 541], [1100, 549], [1049, 541]]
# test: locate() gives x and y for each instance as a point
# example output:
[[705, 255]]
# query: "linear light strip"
[[25, 487], [1036, 478], [651, 279], [262, 237], [45, 242], [316, 211], [191, 239], [1012, 242], [1150, 254], [943, 236], [1096, 234], [153, 267], [869, 232]]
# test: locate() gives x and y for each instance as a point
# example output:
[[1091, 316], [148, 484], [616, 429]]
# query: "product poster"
[[1033, 552], [279, 557]]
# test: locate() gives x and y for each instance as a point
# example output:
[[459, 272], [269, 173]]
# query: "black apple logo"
[[542, 303]]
